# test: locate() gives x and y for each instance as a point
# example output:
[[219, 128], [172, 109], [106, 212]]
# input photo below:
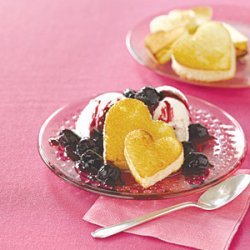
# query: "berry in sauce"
[[109, 175], [148, 95], [87, 144], [90, 162], [71, 153], [98, 136], [188, 148], [68, 137], [53, 142], [196, 165], [198, 133]]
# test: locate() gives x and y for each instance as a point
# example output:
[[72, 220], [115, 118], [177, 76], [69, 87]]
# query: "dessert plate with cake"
[[197, 45], [151, 143]]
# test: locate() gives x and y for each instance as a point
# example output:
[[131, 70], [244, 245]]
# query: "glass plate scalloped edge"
[[231, 132]]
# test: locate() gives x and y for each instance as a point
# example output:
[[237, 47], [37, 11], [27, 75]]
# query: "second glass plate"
[[236, 16]]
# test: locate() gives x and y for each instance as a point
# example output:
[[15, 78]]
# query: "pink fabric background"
[[188, 227], [53, 53]]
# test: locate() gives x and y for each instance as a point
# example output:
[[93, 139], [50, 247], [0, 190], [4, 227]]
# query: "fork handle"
[[114, 229]]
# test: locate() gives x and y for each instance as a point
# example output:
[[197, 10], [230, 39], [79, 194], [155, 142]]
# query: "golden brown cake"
[[151, 160], [125, 116]]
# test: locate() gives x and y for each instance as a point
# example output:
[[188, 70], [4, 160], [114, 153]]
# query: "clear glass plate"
[[234, 15], [226, 152]]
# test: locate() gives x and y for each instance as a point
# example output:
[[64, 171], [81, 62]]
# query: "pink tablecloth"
[[52, 53]]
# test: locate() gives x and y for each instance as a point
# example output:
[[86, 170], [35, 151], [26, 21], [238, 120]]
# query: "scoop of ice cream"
[[174, 110], [174, 113], [93, 115], [169, 91]]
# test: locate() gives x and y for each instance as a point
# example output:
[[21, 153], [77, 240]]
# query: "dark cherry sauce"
[[53, 142], [103, 116], [197, 179], [167, 114], [129, 185], [61, 154], [94, 117], [128, 182], [98, 118], [165, 93]]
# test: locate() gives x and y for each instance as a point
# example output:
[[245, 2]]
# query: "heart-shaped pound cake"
[[151, 160], [207, 55], [125, 116], [160, 43]]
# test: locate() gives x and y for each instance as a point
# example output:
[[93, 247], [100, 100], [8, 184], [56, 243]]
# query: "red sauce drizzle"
[[94, 117], [165, 93], [167, 113], [99, 116], [102, 116]]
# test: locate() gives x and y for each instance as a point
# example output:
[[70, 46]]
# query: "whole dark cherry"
[[109, 175], [196, 167], [148, 95], [198, 133], [90, 162], [87, 144], [68, 137]]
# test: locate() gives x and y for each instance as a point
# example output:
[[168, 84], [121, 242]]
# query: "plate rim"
[[120, 195]]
